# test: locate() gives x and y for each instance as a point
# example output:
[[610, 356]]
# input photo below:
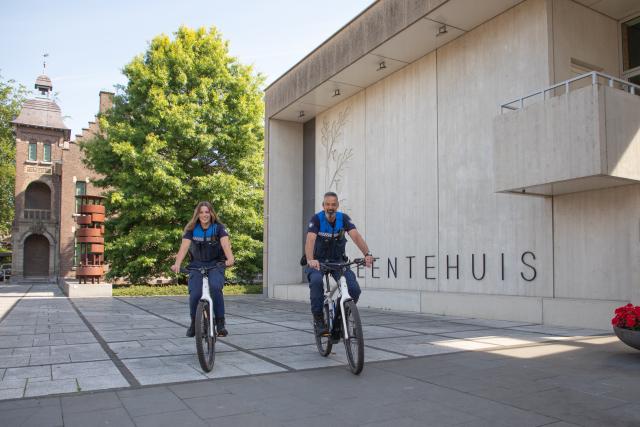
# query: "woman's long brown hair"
[[194, 219]]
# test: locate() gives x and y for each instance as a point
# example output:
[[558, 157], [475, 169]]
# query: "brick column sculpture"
[[90, 239]]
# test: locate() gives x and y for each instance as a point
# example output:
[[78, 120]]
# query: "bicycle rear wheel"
[[324, 343], [205, 345], [354, 345]]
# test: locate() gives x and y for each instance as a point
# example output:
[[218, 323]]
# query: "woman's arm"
[[226, 247], [184, 247]]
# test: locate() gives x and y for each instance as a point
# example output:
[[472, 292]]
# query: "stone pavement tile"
[[432, 327], [492, 323], [305, 325], [12, 393], [89, 402], [102, 382], [80, 352], [42, 388], [627, 414], [28, 372], [148, 401], [400, 422], [200, 389], [43, 416], [185, 418], [48, 359], [13, 384], [372, 332], [220, 405], [561, 331], [256, 328], [276, 339], [158, 370], [103, 417], [423, 345], [299, 357], [256, 419], [280, 408], [502, 337], [11, 341], [14, 360], [238, 363]]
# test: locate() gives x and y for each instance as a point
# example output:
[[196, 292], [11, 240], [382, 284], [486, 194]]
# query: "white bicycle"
[[204, 325], [341, 315]]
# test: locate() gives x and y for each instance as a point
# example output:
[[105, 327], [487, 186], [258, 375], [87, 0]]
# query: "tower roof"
[[43, 82], [42, 112]]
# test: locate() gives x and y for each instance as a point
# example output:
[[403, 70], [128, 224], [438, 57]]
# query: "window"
[[46, 155], [631, 50], [33, 152], [81, 190]]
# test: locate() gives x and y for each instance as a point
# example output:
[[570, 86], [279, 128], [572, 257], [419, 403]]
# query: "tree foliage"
[[188, 126], [11, 98]]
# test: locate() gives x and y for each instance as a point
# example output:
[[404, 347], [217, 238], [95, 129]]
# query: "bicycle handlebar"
[[202, 270], [327, 267]]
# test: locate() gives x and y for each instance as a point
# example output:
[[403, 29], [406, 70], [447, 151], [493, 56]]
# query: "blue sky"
[[89, 41]]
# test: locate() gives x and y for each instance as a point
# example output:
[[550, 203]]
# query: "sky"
[[89, 41]]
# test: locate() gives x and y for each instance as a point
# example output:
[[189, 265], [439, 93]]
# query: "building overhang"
[[384, 38]]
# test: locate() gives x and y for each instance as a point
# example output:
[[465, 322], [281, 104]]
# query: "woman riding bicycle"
[[207, 242]]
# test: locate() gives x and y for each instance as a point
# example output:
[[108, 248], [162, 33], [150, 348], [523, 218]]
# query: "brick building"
[[49, 174]]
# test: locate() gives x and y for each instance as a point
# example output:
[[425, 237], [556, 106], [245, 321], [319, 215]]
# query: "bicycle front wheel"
[[354, 345], [323, 343], [205, 344]]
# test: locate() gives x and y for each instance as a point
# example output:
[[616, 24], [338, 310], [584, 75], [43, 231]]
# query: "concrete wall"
[[285, 203], [418, 182], [584, 35]]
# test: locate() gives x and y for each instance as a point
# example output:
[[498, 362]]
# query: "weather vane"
[[44, 62]]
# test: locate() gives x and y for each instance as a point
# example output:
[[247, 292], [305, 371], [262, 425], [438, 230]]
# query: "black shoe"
[[320, 327], [191, 332], [222, 331]]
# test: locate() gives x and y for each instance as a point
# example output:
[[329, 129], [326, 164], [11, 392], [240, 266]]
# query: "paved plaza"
[[126, 361]]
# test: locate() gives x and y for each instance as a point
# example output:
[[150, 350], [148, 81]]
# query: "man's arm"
[[308, 250], [361, 244]]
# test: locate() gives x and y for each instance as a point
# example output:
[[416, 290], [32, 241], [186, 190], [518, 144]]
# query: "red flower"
[[630, 321]]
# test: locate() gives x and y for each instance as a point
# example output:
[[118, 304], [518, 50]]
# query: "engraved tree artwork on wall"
[[336, 156]]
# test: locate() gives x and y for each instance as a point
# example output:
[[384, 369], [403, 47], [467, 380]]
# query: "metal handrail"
[[632, 88]]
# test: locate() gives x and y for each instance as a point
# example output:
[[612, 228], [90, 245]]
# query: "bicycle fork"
[[207, 297]]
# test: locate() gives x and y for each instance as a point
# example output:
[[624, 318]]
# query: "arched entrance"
[[36, 256]]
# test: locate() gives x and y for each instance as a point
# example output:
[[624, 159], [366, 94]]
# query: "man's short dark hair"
[[330, 194]]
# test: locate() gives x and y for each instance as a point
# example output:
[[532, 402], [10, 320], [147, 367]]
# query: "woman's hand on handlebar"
[[314, 263], [229, 262], [175, 268]]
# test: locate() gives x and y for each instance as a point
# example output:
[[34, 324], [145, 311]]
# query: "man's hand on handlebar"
[[314, 263], [368, 259], [175, 268], [229, 262]]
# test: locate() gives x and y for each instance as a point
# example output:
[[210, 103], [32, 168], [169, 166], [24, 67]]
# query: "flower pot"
[[628, 336]]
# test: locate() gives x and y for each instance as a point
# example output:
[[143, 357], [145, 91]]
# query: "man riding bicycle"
[[326, 242]]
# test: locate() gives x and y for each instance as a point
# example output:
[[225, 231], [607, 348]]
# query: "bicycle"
[[204, 325], [342, 317]]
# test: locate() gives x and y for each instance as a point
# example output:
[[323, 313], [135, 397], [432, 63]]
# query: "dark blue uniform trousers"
[[316, 287], [216, 282]]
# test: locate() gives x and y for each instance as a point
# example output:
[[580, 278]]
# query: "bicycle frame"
[[206, 295], [340, 293]]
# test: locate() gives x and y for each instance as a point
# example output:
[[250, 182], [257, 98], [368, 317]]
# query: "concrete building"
[[49, 175], [487, 181]]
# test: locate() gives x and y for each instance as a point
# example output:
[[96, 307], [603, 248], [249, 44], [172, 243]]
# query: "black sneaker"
[[221, 330], [320, 327], [191, 331]]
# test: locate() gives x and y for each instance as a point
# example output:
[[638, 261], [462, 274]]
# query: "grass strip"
[[143, 290]]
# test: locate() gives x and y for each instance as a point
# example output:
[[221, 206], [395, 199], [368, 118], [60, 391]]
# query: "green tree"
[[188, 126], [11, 98]]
